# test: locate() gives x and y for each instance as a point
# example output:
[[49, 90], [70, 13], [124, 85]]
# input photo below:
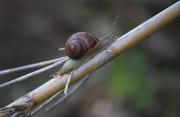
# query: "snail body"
[[82, 46]]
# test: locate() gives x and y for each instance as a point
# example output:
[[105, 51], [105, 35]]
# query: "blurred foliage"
[[129, 81]]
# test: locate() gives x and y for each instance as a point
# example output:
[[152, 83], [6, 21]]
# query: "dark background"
[[142, 82]]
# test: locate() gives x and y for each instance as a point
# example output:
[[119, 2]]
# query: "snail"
[[80, 47], [80, 44]]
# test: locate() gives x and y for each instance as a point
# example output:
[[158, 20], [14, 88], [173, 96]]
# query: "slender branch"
[[25, 77], [124, 42], [21, 68]]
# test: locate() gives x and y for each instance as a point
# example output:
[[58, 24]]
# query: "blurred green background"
[[142, 82]]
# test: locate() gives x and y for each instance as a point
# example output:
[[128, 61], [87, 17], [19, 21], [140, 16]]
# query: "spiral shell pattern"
[[79, 44]]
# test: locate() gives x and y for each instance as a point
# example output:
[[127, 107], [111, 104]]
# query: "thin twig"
[[61, 49], [22, 78], [21, 68], [67, 84]]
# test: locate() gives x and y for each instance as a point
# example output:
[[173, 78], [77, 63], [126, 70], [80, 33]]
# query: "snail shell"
[[79, 44]]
